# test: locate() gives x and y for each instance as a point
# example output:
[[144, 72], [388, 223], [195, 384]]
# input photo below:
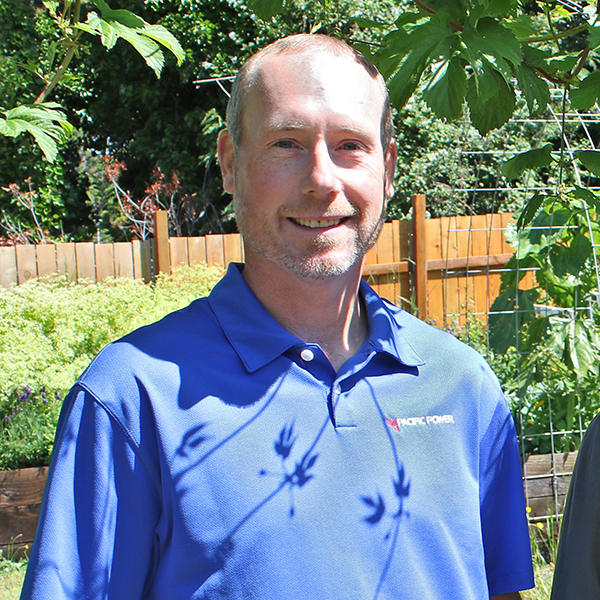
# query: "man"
[[577, 572], [292, 436]]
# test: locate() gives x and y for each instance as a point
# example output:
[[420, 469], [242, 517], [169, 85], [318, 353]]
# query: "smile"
[[317, 223]]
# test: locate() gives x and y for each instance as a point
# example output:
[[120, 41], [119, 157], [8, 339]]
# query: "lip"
[[318, 223]]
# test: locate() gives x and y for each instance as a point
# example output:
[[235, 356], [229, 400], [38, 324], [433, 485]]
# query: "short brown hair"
[[301, 42]]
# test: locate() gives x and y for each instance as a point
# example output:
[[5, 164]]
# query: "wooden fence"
[[441, 269]]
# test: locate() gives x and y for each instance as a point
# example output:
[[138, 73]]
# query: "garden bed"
[[21, 494]]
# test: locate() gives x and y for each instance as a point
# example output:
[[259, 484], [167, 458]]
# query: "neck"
[[327, 312]]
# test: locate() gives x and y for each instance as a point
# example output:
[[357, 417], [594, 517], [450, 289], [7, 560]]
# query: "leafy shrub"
[[49, 332]]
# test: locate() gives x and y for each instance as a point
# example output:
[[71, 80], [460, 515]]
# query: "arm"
[[577, 572], [96, 531]]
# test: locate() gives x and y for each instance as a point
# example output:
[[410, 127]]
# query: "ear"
[[391, 156], [226, 151]]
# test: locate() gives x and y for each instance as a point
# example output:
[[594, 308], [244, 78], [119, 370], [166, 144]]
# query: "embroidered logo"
[[425, 421]]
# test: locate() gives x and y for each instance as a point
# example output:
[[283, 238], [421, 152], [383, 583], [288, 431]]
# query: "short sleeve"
[[503, 516], [96, 535], [577, 572]]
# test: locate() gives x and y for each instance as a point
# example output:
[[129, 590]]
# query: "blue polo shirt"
[[214, 455]]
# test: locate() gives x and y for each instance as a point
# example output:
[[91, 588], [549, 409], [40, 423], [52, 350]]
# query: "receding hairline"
[[308, 44]]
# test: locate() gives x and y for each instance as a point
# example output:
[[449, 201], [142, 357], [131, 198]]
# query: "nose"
[[322, 177]]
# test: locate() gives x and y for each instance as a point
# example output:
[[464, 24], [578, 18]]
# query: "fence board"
[[123, 259], [46, 259], [8, 266], [214, 250], [86, 264], [197, 249], [232, 248], [66, 260], [26, 264], [179, 251], [105, 261]]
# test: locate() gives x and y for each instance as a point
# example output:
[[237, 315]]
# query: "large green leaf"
[[46, 122], [570, 260], [530, 209], [594, 37], [445, 93], [532, 159], [587, 93], [534, 88], [497, 43], [590, 159], [509, 312], [407, 53], [591, 199], [266, 9], [145, 38], [490, 98]]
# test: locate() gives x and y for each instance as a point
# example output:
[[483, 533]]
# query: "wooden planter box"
[[547, 478], [20, 501]]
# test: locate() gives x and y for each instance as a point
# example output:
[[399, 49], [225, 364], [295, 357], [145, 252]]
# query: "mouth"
[[318, 223]]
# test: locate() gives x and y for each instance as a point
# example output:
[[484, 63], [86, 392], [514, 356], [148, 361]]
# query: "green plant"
[[46, 121], [50, 331]]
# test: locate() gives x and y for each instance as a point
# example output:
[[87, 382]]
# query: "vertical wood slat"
[[179, 251], [232, 248], [8, 266], [197, 249], [66, 260], [26, 263], [105, 263], [146, 263], [46, 259], [123, 259], [86, 261], [215, 254], [161, 242], [420, 254]]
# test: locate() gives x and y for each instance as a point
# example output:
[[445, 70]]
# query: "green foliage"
[[49, 333], [45, 122]]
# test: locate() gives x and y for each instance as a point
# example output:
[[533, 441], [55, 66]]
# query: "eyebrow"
[[298, 124]]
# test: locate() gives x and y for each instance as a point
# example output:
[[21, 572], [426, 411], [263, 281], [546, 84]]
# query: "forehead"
[[336, 88]]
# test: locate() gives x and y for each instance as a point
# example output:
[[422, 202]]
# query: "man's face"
[[310, 177]]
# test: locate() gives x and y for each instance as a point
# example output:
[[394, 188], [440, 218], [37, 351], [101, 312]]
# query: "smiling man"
[[292, 435]]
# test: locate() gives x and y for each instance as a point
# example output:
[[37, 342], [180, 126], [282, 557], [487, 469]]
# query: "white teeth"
[[316, 224]]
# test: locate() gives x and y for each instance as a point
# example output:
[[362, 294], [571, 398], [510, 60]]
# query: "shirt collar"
[[385, 329], [259, 339]]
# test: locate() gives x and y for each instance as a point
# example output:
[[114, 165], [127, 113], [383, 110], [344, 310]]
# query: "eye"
[[284, 144], [350, 146]]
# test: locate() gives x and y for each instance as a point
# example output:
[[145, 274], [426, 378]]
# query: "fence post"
[[161, 242], [420, 254]]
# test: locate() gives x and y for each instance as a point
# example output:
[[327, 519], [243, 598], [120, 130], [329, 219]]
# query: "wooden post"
[[161, 242], [420, 254]]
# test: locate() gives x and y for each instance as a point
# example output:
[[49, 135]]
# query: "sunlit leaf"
[[266, 9], [46, 122], [490, 38], [164, 37], [587, 93], [569, 260], [588, 196], [532, 159], [509, 312], [534, 88], [490, 98], [590, 159], [445, 93], [594, 37], [530, 210]]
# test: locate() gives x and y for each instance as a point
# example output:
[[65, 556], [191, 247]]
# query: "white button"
[[307, 354], [337, 389]]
